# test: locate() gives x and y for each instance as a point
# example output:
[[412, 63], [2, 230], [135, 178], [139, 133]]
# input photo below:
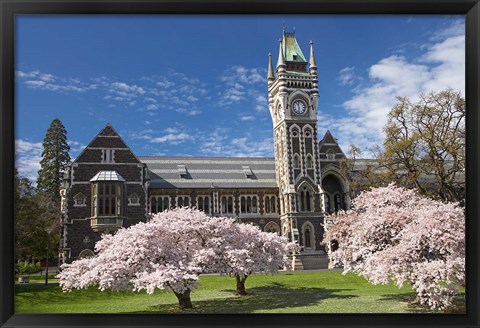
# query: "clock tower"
[[293, 100]]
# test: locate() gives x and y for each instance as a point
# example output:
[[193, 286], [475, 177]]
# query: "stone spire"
[[271, 77], [313, 64], [281, 66]]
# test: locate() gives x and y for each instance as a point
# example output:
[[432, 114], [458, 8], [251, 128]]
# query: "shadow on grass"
[[31, 295], [271, 297], [458, 306]]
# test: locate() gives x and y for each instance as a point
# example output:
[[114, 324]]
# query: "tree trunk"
[[241, 285], [184, 301]]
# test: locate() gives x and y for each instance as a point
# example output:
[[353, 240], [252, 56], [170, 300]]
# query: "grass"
[[299, 292]]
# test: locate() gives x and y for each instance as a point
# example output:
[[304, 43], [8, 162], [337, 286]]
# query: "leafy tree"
[[370, 175], [55, 158], [169, 252], [251, 250], [34, 215], [425, 145], [393, 234]]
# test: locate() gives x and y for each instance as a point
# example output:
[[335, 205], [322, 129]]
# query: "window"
[[308, 238], [108, 156], [308, 235], [326, 199], [203, 204], [159, 204], [309, 162], [79, 200], [247, 171], [133, 200], [227, 205], [248, 204], [270, 204], [296, 161], [183, 201], [107, 199], [338, 202], [272, 227], [306, 200], [182, 171]]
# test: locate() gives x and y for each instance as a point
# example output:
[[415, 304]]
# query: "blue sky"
[[196, 85]]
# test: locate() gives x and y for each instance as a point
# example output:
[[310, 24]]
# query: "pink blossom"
[[393, 234]]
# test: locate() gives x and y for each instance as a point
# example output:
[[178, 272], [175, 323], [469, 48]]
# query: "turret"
[[271, 76], [281, 66], [313, 64]]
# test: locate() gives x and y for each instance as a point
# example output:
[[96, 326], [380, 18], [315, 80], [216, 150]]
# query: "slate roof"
[[208, 172]]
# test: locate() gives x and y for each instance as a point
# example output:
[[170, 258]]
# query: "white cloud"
[[76, 147], [172, 138], [241, 84], [346, 75], [27, 158], [442, 65], [247, 118], [219, 143], [151, 107], [45, 81]]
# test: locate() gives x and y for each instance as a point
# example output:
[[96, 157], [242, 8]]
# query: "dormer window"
[[182, 171], [248, 171], [108, 155]]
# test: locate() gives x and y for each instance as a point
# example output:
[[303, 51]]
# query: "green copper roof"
[[291, 50]]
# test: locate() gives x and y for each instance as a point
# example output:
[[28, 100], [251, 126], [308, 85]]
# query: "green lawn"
[[299, 292]]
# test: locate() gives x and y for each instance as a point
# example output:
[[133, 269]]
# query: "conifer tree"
[[55, 158]]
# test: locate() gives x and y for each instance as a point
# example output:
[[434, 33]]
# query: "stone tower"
[[293, 100]]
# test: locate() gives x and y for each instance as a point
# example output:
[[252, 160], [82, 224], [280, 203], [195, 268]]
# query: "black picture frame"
[[11, 8]]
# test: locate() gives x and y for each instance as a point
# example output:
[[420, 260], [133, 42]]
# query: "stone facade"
[[108, 186]]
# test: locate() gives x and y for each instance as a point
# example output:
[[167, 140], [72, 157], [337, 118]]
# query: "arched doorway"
[[333, 193]]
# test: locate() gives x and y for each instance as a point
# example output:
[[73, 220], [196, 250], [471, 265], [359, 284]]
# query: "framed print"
[[225, 164]]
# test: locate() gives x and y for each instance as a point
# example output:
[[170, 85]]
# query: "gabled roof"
[[291, 49], [107, 131], [329, 142], [208, 172]]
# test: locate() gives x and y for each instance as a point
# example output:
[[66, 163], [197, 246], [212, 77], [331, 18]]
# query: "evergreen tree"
[[34, 213], [55, 158]]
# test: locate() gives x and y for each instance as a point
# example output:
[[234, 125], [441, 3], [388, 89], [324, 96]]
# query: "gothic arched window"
[[306, 200], [296, 161], [326, 199], [159, 203], [227, 204], [183, 201], [203, 204], [338, 202], [309, 162], [248, 204], [308, 236]]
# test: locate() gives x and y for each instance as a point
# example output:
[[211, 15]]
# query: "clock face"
[[299, 107]]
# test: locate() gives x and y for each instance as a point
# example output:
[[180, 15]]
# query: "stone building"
[[107, 186]]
